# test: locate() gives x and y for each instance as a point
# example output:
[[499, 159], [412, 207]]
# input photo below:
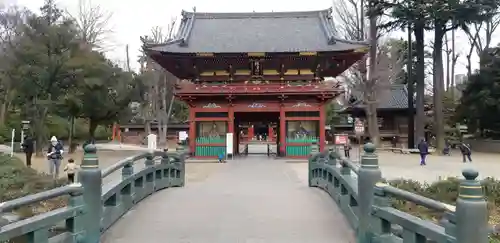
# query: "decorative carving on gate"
[[211, 106], [256, 105], [301, 104]]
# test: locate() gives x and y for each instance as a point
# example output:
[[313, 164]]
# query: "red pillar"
[[250, 133], [270, 133], [322, 125], [230, 124], [282, 130], [230, 121], [192, 130]]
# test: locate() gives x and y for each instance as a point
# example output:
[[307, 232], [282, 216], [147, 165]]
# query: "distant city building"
[[460, 79]]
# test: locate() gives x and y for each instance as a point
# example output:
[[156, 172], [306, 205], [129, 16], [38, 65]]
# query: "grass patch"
[[17, 180]]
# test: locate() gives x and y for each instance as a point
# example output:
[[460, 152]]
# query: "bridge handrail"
[[415, 198], [121, 163], [131, 159], [92, 209], [366, 203], [75, 188], [354, 167]]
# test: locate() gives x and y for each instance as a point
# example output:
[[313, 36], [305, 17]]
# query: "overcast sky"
[[131, 19]]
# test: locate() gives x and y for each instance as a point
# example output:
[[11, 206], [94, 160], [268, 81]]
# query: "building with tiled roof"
[[257, 73], [392, 112]]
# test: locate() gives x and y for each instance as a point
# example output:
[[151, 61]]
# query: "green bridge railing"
[[365, 202], [93, 207]]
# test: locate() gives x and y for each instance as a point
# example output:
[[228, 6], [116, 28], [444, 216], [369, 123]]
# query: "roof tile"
[[257, 32]]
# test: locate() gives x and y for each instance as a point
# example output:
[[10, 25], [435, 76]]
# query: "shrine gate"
[[239, 74]]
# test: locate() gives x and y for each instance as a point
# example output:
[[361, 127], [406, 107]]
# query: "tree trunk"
[[39, 115], [469, 63], [163, 113], [438, 88], [70, 134], [147, 127], [453, 64], [3, 112], [92, 127], [371, 92], [447, 51], [420, 80]]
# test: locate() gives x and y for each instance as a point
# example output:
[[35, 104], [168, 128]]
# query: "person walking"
[[347, 149], [423, 149], [70, 170], [466, 152], [54, 156], [28, 148]]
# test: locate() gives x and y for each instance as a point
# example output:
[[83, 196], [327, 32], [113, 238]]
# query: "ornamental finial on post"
[[471, 210], [90, 159], [369, 159]]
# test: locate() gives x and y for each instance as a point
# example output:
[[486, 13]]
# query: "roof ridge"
[[231, 15]]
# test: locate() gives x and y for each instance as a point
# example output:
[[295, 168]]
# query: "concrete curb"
[[296, 161], [199, 161]]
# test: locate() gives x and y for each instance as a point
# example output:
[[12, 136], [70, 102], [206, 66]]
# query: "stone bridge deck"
[[249, 200]]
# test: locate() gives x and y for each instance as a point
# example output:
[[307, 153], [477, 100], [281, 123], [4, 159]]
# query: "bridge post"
[[128, 170], [91, 180], [369, 174], [471, 211], [149, 160]]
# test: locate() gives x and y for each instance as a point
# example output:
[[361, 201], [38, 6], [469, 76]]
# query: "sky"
[[132, 19]]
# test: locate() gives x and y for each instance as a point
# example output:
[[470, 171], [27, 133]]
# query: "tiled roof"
[[257, 32], [394, 98]]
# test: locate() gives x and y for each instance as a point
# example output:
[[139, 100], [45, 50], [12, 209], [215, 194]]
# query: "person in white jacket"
[[54, 156]]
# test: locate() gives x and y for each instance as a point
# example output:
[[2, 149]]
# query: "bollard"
[[369, 174], [164, 157], [149, 159], [91, 180], [311, 160], [127, 170], [76, 226], [182, 160], [471, 212]]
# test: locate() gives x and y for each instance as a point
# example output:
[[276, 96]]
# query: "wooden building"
[[392, 113], [257, 67], [136, 134]]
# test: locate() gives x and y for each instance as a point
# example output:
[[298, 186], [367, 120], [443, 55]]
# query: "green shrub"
[[17, 180], [447, 191]]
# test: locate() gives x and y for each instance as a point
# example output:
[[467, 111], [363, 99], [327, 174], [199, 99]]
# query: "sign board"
[[229, 143], [152, 141], [341, 139], [183, 135], [359, 127]]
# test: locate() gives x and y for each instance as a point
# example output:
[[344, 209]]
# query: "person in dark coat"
[[347, 149], [466, 152], [423, 149], [28, 148], [447, 147]]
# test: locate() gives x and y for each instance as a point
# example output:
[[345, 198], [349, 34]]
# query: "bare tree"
[[480, 36], [451, 61], [160, 95], [93, 24], [383, 65]]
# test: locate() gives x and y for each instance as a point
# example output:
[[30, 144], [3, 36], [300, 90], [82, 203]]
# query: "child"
[[221, 158], [71, 169]]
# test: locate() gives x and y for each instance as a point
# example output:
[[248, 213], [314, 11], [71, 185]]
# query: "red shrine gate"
[[247, 68]]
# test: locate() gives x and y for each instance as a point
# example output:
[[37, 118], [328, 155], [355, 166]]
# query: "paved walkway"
[[250, 200]]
